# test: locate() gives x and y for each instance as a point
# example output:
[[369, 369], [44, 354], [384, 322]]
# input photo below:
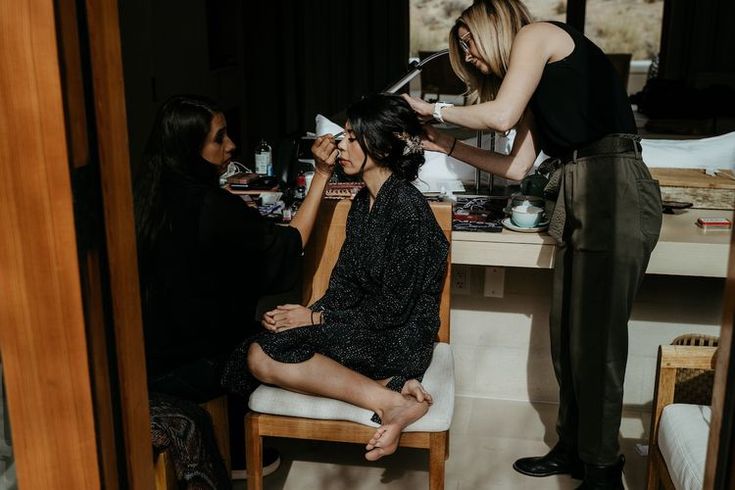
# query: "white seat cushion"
[[682, 437], [438, 380]]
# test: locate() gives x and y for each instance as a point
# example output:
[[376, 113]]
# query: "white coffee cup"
[[525, 216]]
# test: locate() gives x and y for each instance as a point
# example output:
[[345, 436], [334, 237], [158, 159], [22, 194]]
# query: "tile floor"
[[486, 437]]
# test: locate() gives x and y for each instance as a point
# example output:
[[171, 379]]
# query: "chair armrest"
[[671, 358], [687, 357]]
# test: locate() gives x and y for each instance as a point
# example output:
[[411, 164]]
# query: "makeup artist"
[[562, 95], [205, 258]]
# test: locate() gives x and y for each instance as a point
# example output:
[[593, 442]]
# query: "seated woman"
[[371, 335], [205, 258]]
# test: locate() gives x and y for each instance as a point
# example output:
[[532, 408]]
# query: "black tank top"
[[579, 99]]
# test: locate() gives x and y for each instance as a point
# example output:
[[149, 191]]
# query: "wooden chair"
[[694, 386], [266, 400], [163, 466], [671, 360]]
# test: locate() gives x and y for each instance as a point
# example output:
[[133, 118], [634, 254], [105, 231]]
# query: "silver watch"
[[438, 110]]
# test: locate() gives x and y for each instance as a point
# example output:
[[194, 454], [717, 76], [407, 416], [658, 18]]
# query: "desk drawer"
[[502, 254]]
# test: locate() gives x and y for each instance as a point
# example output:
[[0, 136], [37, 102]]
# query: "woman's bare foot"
[[415, 389], [395, 419]]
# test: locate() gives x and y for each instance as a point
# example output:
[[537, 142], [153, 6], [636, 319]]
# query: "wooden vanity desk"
[[683, 249]]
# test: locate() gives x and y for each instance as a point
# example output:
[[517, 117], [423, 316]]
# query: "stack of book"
[[249, 183], [479, 213]]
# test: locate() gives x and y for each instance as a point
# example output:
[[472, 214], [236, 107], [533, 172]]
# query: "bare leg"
[[325, 377], [320, 376]]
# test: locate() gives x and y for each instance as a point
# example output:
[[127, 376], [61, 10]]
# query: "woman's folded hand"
[[286, 317]]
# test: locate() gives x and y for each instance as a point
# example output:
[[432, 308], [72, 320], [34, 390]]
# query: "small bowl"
[[526, 216]]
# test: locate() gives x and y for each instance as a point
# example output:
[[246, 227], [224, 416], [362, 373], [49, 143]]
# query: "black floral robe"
[[381, 310]]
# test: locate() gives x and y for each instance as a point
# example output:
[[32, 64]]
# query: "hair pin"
[[412, 143]]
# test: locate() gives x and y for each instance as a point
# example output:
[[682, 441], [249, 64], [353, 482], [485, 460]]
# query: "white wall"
[[638, 75], [501, 345]]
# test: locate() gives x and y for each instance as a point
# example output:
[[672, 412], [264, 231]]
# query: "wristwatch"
[[438, 110]]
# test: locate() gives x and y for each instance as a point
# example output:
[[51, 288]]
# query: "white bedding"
[[713, 153]]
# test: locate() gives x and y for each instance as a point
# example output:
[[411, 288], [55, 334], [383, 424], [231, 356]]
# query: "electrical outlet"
[[494, 282], [460, 279]]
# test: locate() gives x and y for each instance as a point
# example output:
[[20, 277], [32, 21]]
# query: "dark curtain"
[[697, 37], [316, 56], [272, 65]]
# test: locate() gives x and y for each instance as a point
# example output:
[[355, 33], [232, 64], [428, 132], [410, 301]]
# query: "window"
[[625, 26], [617, 26], [431, 21]]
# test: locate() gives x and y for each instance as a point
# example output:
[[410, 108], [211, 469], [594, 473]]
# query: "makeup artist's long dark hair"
[[174, 145], [389, 131]]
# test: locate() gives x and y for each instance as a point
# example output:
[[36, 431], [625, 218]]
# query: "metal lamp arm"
[[416, 67]]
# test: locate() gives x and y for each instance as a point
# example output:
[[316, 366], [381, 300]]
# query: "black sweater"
[[213, 260]]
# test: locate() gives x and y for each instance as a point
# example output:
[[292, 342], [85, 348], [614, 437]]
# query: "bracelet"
[[438, 110], [312, 318], [454, 143]]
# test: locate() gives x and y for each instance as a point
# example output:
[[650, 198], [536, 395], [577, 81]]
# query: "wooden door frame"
[[42, 335], [112, 134], [44, 349], [717, 462]]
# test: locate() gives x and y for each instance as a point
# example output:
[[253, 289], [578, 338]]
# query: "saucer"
[[540, 227]]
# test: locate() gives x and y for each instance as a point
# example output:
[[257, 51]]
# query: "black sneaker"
[[271, 462]]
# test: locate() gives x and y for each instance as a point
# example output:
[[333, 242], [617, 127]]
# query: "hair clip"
[[412, 143]]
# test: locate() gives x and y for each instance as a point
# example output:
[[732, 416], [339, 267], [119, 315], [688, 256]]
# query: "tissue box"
[[696, 186]]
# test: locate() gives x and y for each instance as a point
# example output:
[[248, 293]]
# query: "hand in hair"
[[436, 140], [325, 154], [423, 109]]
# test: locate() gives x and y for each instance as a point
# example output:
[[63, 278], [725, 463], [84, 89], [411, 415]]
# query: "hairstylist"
[[563, 97]]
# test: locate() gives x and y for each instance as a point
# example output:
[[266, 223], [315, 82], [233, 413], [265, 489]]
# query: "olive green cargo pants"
[[612, 221]]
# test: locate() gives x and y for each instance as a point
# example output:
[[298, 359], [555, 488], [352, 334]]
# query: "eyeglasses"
[[464, 43]]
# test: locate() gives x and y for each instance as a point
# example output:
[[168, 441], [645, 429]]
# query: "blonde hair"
[[493, 25]]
